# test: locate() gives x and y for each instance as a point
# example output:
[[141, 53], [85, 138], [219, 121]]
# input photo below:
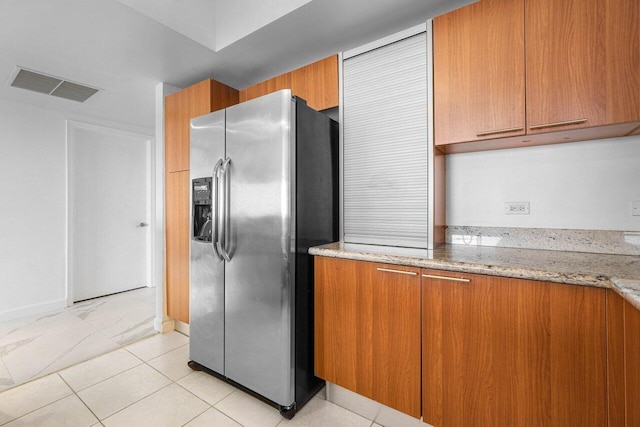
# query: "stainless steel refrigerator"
[[264, 189]]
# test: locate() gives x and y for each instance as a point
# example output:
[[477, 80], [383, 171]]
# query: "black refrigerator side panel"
[[316, 224]]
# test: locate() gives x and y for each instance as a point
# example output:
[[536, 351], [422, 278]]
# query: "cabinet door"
[[396, 337], [582, 63], [501, 352], [179, 109], [317, 83], [343, 324], [177, 245], [367, 330], [632, 369], [623, 323], [479, 80]]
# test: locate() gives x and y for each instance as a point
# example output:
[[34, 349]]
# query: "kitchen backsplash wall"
[[593, 241], [586, 185]]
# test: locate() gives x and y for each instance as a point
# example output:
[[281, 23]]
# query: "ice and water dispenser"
[[201, 209]]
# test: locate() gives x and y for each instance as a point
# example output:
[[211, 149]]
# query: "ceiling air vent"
[[43, 83]]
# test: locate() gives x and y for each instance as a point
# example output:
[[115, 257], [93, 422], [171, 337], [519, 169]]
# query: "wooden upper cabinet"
[[513, 73], [180, 107], [511, 352], [275, 84], [479, 80], [316, 83], [583, 63]]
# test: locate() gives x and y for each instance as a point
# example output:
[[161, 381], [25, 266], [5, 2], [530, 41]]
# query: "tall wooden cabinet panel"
[[479, 80], [500, 351], [180, 107], [582, 63], [367, 330], [177, 245], [623, 323]]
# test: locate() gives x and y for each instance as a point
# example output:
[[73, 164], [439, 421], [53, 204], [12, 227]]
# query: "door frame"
[[151, 238]]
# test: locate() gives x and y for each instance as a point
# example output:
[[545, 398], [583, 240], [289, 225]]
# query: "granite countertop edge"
[[477, 263]]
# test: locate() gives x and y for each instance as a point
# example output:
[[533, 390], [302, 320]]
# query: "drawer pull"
[[551, 125], [492, 132], [454, 279], [388, 270]]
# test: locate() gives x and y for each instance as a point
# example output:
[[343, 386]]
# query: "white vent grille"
[[50, 85]]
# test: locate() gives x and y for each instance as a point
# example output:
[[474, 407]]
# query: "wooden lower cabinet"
[[474, 350], [367, 330], [623, 333], [177, 244], [511, 352]]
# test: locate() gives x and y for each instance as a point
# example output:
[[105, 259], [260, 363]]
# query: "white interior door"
[[108, 211]]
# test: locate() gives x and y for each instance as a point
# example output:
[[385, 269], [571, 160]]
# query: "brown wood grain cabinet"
[[623, 339], [500, 351], [479, 80], [343, 321], [583, 66], [316, 83], [578, 60], [177, 244], [180, 107], [367, 330]]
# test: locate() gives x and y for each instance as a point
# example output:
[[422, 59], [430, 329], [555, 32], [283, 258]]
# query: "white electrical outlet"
[[516, 208], [635, 208]]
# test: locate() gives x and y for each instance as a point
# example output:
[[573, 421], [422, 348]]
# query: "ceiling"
[[127, 47]]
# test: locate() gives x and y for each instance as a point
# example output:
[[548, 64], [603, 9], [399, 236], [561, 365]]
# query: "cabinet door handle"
[[565, 123], [388, 270], [453, 279], [493, 132]]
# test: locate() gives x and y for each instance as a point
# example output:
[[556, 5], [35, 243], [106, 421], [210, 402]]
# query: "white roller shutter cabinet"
[[385, 145]]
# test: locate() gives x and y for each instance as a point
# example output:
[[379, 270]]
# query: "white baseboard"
[[370, 409], [163, 325], [182, 327], [30, 310]]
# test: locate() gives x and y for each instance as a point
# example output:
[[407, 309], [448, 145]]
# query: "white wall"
[[162, 322], [581, 185], [33, 207], [236, 19]]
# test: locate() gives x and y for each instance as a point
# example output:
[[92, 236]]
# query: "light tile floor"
[[148, 383], [39, 345]]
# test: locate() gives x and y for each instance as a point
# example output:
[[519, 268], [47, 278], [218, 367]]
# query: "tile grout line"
[[133, 403], [44, 406], [8, 373], [79, 398]]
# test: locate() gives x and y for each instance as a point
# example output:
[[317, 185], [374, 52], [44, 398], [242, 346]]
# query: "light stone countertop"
[[618, 272]]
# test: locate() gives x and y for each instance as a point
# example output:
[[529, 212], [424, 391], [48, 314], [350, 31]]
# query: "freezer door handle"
[[215, 202], [222, 243]]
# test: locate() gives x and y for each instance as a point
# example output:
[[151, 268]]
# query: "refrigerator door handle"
[[215, 202], [222, 244]]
